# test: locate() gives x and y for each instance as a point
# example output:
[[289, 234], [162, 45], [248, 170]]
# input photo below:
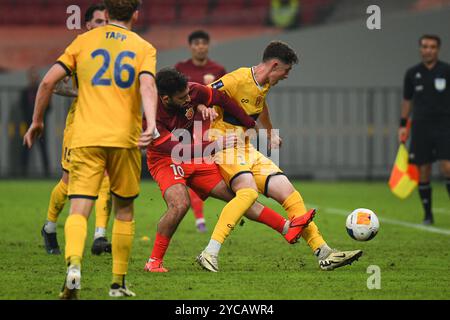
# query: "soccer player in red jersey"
[[200, 68], [203, 70], [175, 165]]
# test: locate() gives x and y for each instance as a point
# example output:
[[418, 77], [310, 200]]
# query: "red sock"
[[196, 204], [272, 219], [160, 247]]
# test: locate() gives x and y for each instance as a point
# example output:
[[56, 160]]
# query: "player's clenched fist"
[[147, 136], [34, 131]]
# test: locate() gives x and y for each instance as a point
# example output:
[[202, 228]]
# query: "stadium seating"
[[154, 12]]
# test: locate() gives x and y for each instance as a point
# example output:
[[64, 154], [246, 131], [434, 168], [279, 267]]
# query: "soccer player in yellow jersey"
[[94, 17], [115, 69], [245, 168]]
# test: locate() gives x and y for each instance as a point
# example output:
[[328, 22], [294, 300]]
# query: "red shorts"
[[201, 178]]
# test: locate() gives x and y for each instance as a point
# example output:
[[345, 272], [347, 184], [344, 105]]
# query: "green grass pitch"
[[255, 262]]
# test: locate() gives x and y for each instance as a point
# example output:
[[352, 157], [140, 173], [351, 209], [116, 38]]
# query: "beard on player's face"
[[179, 101]]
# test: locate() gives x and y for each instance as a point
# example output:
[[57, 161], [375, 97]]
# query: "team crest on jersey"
[[418, 75], [217, 85], [440, 84], [189, 113]]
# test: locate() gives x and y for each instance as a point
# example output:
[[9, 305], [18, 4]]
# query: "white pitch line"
[[442, 210], [345, 213]]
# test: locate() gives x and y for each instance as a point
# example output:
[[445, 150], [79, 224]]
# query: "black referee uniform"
[[429, 92]]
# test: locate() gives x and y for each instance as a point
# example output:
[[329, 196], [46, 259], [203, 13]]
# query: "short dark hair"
[[432, 37], [282, 51], [121, 10], [198, 34], [90, 11], [169, 81]]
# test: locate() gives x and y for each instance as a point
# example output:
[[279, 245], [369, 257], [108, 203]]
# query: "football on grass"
[[362, 224]]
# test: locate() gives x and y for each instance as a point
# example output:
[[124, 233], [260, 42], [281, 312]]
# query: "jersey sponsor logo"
[[419, 88], [217, 85], [440, 84]]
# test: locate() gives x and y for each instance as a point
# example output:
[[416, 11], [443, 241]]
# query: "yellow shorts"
[[88, 165], [246, 159], [65, 156]]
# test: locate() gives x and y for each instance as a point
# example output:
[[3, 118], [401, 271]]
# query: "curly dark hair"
[[91, 10], [169, 81], [121, 10], [282, 51]]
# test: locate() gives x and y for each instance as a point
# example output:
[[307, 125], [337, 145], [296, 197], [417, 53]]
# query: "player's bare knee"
[[222, 192], [279, 188], [244, 180], [123, 209], [179, 206]]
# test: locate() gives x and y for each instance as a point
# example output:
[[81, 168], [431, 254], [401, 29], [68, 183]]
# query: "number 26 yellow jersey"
[[108, 61]]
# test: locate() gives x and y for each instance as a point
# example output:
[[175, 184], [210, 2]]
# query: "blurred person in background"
[[199, 68], [426, 99], [27, 98]]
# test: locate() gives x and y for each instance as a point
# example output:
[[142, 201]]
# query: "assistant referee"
[[426, 93]]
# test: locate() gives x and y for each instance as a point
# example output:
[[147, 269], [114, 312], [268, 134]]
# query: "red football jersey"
[[199, 73], [168, 120]]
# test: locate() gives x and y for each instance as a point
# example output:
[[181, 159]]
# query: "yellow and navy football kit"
[[243, 88], [107, 119]]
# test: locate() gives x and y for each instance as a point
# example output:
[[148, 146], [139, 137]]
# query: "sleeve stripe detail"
[[146, 72], [68, 71]]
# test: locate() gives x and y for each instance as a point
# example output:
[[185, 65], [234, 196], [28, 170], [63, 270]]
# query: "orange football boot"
[[297, 225], [155, 266]]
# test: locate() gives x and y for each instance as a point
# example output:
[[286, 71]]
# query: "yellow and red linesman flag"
[[404, 176]]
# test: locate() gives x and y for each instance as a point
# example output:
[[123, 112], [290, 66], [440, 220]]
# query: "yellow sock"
[[294, 205], [232, 213], [75, 261], [122, 241], [118, 278], [103, 205], [57, 201], [75, 231], [312, 236]]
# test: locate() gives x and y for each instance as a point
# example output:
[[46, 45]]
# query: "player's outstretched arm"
[[44, 93], [149, 95]]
